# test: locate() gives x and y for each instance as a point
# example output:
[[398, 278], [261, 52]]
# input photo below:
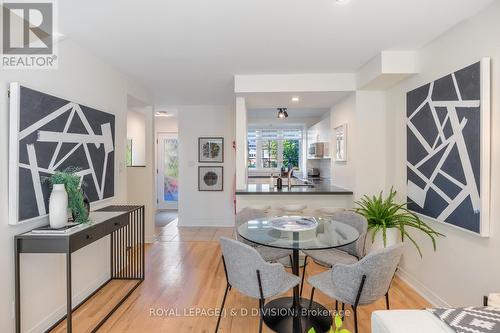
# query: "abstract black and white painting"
[[210, 178], [210, 150], [48, 134], [448, 140]]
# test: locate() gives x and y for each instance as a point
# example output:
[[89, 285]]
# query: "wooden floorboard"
[[99, 305], [184, 274]]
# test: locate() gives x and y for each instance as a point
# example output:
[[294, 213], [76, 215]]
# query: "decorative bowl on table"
[[293, 223]]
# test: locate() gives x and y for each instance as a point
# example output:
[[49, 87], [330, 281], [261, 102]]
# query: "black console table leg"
[[69, 308], [17, 285]]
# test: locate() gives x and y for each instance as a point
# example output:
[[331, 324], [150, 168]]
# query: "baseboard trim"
[[61, 311], [422, 289]]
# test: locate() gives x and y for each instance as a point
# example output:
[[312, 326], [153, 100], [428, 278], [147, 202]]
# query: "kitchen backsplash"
[[324, 166]]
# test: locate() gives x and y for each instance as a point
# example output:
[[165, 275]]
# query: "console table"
[[124, 225]]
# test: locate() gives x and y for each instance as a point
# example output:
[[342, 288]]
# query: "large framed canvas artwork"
[[448, 148], [47, 134]]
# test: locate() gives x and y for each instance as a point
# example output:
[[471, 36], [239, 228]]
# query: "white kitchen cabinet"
[[320, 132]]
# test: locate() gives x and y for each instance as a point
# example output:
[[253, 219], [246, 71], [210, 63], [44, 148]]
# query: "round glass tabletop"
[[326, 235]]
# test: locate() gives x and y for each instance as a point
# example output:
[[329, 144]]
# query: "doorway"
[[167, 171]]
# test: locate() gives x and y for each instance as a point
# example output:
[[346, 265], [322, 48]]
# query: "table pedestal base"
[[281, 316]]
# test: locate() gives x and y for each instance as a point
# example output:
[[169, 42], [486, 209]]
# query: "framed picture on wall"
[[49, 134], [210, 178], [448, 148], [211, 150], [341, 143]]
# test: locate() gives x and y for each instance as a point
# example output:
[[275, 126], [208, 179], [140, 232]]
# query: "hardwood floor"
[[184, 274]]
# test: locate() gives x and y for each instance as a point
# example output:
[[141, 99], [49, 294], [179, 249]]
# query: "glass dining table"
[[297, 314]]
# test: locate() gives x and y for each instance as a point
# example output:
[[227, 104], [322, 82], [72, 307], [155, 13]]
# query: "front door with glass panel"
[[168, 171]]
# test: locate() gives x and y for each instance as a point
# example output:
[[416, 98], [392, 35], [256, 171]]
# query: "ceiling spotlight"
[[282, 114], [162, 114], [342, 1], [295, 99]]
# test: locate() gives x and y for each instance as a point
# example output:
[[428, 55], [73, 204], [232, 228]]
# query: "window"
[[273, 148], [269, 153]]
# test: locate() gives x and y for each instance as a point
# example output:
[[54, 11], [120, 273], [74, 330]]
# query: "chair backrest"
[[359, 223], [245, 215], [242, 263], [378, 267]]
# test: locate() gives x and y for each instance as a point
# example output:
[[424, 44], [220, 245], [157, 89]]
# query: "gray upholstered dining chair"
[[249, 273], [347, 254], [268, 253], [362, 282]]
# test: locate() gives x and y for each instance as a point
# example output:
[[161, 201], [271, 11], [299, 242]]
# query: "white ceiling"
[[309, 100], [189, 50]]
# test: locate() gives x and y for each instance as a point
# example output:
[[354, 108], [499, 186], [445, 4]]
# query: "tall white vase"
[[58, 206], [393, 237]]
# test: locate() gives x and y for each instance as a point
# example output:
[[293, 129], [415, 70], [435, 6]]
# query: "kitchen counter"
[[317, 187], [314, 193]]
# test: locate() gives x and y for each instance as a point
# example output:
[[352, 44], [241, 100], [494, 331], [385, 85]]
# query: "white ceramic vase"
[[58, 206], [393, 237]]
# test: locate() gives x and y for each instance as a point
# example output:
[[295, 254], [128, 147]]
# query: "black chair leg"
[[387, 300], [303, 276], [355, 319], [261, 313], [222, 307], [311, 299]]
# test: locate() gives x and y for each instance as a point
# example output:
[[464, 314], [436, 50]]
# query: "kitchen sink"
[[303, 185]]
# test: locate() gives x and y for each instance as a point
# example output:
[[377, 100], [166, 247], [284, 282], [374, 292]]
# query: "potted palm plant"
[[389, 221]]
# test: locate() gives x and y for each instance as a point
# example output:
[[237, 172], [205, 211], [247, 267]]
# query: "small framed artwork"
[[210, 178], [341, 143], [211, 150]]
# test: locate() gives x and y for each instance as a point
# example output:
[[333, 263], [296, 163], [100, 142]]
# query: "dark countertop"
[[320, 187]]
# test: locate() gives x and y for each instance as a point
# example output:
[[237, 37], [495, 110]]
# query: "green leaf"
[[383, 213], [311, 330], [73, 184], [338, 321], [344, 331]]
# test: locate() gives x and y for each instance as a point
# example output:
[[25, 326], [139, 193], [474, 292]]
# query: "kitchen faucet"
[[290, 174]]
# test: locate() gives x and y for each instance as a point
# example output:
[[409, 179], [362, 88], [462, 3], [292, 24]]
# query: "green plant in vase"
[[386, 216], [72, 184]]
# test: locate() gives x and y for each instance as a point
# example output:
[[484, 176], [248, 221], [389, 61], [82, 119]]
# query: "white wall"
[[136, 130], [370, 145], [205, 208], [141, 178], [465, 267], [82, 78], [166, 125], [364, 172], [241, 154]]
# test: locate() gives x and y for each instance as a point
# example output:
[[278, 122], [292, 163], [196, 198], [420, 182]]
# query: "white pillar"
[[241, 143], [370, 143]]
